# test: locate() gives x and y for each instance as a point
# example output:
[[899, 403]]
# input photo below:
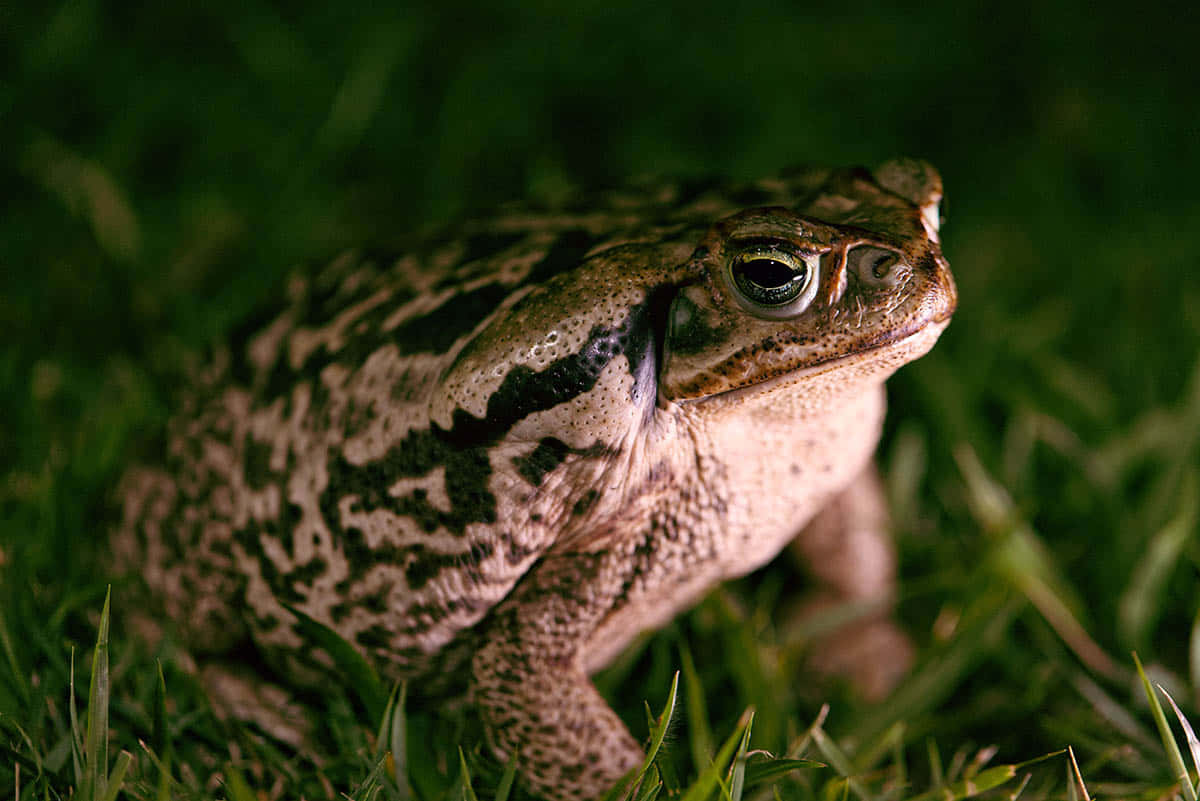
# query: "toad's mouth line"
[[920, 337]]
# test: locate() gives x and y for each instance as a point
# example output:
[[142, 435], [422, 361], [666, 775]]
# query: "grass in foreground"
[[813, 766]]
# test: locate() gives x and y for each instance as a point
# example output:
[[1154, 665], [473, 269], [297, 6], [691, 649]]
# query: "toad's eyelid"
[[766, 246]]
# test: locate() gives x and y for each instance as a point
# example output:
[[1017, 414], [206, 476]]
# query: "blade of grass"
[[1023, 560], [764, 771], [390, 742], [1194, 651], [1141, 602], [966, 788], [10, 654], [468, 792], [723, 786], [56, 758], [385, 739], [33, 751], [890, 741], [981, 758], [937, 776], [1074, 777], [117, 777], [649, 790], [954, 772], [1015, 794], [737, 771], [160, 737], [659, 733], [75, 737], [360, 676], [840, 762], [898, 759], [1110, 710], [801, 743], [95, 755], [710, 777], [1164, 731], [1193, 743], [236, 786], [163, 791], [700, 735], [630, 785], [506, 779], [374, 784], [429, 762]]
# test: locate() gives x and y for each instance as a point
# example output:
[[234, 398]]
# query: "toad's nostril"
[[883, 265], [875, 266]]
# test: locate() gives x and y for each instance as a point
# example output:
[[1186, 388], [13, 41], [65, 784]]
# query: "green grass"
[[164, 167]]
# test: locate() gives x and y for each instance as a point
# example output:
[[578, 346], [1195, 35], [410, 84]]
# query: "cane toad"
[[498, 456]]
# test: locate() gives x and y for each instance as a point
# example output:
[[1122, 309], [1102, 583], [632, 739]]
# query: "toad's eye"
[[772, 278]]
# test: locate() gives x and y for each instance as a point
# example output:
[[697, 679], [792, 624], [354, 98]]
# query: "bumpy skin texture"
[[498, 457]]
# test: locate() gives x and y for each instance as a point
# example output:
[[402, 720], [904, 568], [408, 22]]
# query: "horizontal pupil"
[[768, 273]]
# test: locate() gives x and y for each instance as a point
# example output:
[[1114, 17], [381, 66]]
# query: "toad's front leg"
[[530, 685]]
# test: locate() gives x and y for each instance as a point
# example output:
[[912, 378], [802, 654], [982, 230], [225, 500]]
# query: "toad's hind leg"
[[175, 552], [848, 551], [531, 687], [176, 557]]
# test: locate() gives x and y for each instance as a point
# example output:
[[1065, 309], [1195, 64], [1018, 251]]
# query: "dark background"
[[163, 167]]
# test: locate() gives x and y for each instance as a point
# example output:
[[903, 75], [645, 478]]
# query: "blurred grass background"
[[163, 166]]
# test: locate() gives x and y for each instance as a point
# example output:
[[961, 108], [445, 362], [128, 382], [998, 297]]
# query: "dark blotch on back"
[[548, 454], [240, 368], [436, 331], [257, 463], [463, 450], [362, 339], [426, 563], [476, 259], [585, 503], [566, 252]]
